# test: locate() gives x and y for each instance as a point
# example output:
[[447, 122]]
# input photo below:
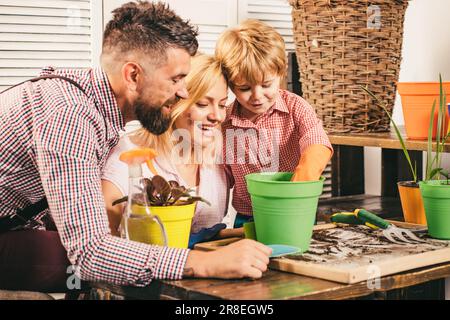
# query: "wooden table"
[[425, 283], [348, 194], [277, 285]]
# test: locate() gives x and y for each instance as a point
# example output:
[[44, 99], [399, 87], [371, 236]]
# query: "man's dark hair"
[[148, 27]]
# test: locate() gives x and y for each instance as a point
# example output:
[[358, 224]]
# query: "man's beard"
[[152, 118]]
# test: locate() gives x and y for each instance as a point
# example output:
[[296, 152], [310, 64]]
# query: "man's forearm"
[[124, 262]]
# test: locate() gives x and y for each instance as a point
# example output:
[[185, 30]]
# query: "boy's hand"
[[242, 259], [312, 163]]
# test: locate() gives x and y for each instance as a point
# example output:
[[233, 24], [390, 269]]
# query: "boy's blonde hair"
[[252, 50], [205, 72]]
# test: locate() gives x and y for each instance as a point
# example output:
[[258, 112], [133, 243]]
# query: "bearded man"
[[56, 132]]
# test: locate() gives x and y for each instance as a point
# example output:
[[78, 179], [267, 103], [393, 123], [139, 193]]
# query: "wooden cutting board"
[[351, 254]]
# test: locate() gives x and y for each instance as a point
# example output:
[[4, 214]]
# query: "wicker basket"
[[340, 46]]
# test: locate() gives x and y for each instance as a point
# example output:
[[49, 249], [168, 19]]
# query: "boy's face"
[[256, 99]]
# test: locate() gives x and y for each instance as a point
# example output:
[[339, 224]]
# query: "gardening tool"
[[364, 217], [205, 234], [280, 250]]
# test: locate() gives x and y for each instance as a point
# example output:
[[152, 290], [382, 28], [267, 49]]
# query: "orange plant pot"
[[412, 203], [417, 101]]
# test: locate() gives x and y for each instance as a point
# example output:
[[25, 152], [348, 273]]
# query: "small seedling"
[[162, 193]]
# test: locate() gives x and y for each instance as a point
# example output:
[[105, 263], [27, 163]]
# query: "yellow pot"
[[412, 203], [176, 220]]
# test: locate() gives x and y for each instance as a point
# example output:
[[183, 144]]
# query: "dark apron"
[[24, 216]]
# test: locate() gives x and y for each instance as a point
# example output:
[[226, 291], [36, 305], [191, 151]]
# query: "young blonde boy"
[[267, 122]]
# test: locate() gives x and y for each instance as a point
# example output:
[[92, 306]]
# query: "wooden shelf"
[[385, 207], [386, 140]]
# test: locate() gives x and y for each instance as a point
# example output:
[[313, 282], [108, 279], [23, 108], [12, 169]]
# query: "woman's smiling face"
[[202, 120]]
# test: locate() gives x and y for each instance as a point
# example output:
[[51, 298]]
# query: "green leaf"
[[196, 199], [440, 122], [177, 193], [434, 162], [430, 143], [445, 173], [397, 132], [174, 184], [124, 199], [162, 187], [434, 172], [415, 171]]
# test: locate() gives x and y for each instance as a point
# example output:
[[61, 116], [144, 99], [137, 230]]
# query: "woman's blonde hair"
[[251, 50], [205, 72]]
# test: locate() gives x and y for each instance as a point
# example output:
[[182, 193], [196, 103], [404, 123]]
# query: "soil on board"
[[348, 246]]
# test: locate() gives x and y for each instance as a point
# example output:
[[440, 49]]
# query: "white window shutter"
[[211, 16], [276, 13], [34, 34]]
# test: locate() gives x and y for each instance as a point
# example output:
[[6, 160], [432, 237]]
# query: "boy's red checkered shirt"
[[273, 143]]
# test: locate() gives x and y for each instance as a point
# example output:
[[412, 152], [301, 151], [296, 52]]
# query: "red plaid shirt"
[[54, 142], [274, 143]]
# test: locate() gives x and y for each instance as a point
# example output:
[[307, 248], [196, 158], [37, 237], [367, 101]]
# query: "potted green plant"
[[436, 193], [410, 196], [171, 203], [434, 200]]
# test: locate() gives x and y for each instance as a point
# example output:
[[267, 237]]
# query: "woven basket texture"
[[342, 45]]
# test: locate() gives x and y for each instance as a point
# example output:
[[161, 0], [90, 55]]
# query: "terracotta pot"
[[412, 203], [417, 101]]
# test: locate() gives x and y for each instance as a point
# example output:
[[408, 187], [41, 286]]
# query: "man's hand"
[[312, 163], [242, 259]]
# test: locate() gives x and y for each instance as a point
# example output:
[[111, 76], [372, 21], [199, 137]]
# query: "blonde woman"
[[186, 152]]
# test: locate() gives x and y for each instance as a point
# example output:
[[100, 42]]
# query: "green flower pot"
[[284, 211], [436, 200]]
